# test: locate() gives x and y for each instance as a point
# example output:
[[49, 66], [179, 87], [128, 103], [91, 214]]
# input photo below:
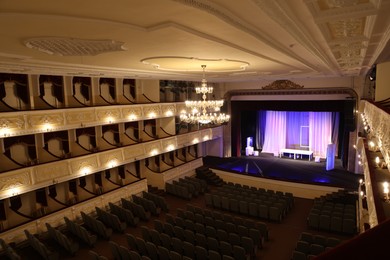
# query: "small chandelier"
[[204, 111]]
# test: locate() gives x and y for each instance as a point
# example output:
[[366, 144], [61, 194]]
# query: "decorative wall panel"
[[151, 111], [84, 165], [169, 144], [106, 115], [46, 121], [182, 140], [111, 158], [15, 179], [133, 151], [51, 171], [80, 117], [153, 148], [168, 109], [9, 123], [132, 112]]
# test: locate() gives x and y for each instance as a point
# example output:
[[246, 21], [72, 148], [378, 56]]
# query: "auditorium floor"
[[283, 236]]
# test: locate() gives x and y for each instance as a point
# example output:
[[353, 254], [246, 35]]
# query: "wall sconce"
[[170, 147], [154, 152], [85, 171], [195, 141], [47, 127], [4, 132], [361, 182], [362, 195], [377, 161], [110, 119], [14, 191], [386, 191], [112, 163], [132, 117], [169, 113], [152, 115]]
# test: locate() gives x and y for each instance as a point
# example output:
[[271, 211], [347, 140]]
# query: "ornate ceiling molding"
[[63, 46], [283, 15], [282, 84], [347, 26], [228, 17], [186, 64]]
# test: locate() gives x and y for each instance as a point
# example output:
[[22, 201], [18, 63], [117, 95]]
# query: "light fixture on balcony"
[[204, 111]]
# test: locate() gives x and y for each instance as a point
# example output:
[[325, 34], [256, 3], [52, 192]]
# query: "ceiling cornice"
[[228, 17]]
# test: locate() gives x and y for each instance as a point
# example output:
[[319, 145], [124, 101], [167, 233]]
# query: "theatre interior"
[[195, 129]]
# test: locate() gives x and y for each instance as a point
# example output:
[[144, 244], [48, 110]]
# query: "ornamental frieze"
[[282, 84]]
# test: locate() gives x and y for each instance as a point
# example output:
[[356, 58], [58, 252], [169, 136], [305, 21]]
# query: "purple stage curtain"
[[299, 130]]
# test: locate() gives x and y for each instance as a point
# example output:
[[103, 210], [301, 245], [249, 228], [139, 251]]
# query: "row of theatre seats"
[[69, 245], [187, 229], [40, 247], [9, 251], [178, 238], [199, 249], [187, 187], [99, 224], [173, 249], [251, 201], [310, 245], [334, 215]]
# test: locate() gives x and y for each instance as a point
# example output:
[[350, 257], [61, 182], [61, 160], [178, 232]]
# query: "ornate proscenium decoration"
[[204, 111], [282, 84]]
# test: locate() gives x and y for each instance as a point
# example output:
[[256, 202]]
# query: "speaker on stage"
[[330, 156]]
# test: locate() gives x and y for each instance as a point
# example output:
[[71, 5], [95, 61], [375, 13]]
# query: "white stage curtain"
[[282, 131], [275, 132], [320, 132]]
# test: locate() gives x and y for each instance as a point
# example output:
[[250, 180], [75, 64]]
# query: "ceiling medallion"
[[282, 84], [192, 64], [63, 46]]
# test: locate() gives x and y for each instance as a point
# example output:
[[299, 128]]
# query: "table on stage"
[[295, 152]]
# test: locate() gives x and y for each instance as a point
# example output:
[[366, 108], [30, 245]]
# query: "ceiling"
[[170, 39]]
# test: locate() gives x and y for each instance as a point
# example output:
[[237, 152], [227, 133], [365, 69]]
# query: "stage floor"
[[287, 169]]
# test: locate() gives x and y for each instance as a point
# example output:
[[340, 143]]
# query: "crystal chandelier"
[[204, 111]]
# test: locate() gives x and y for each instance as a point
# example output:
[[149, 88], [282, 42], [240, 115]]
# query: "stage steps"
[[156, 190], [208, 175]]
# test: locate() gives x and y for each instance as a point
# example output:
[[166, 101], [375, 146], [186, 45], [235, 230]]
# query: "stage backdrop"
[[311, 131]]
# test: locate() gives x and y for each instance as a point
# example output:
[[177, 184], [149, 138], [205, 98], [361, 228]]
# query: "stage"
[[286, 169]]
